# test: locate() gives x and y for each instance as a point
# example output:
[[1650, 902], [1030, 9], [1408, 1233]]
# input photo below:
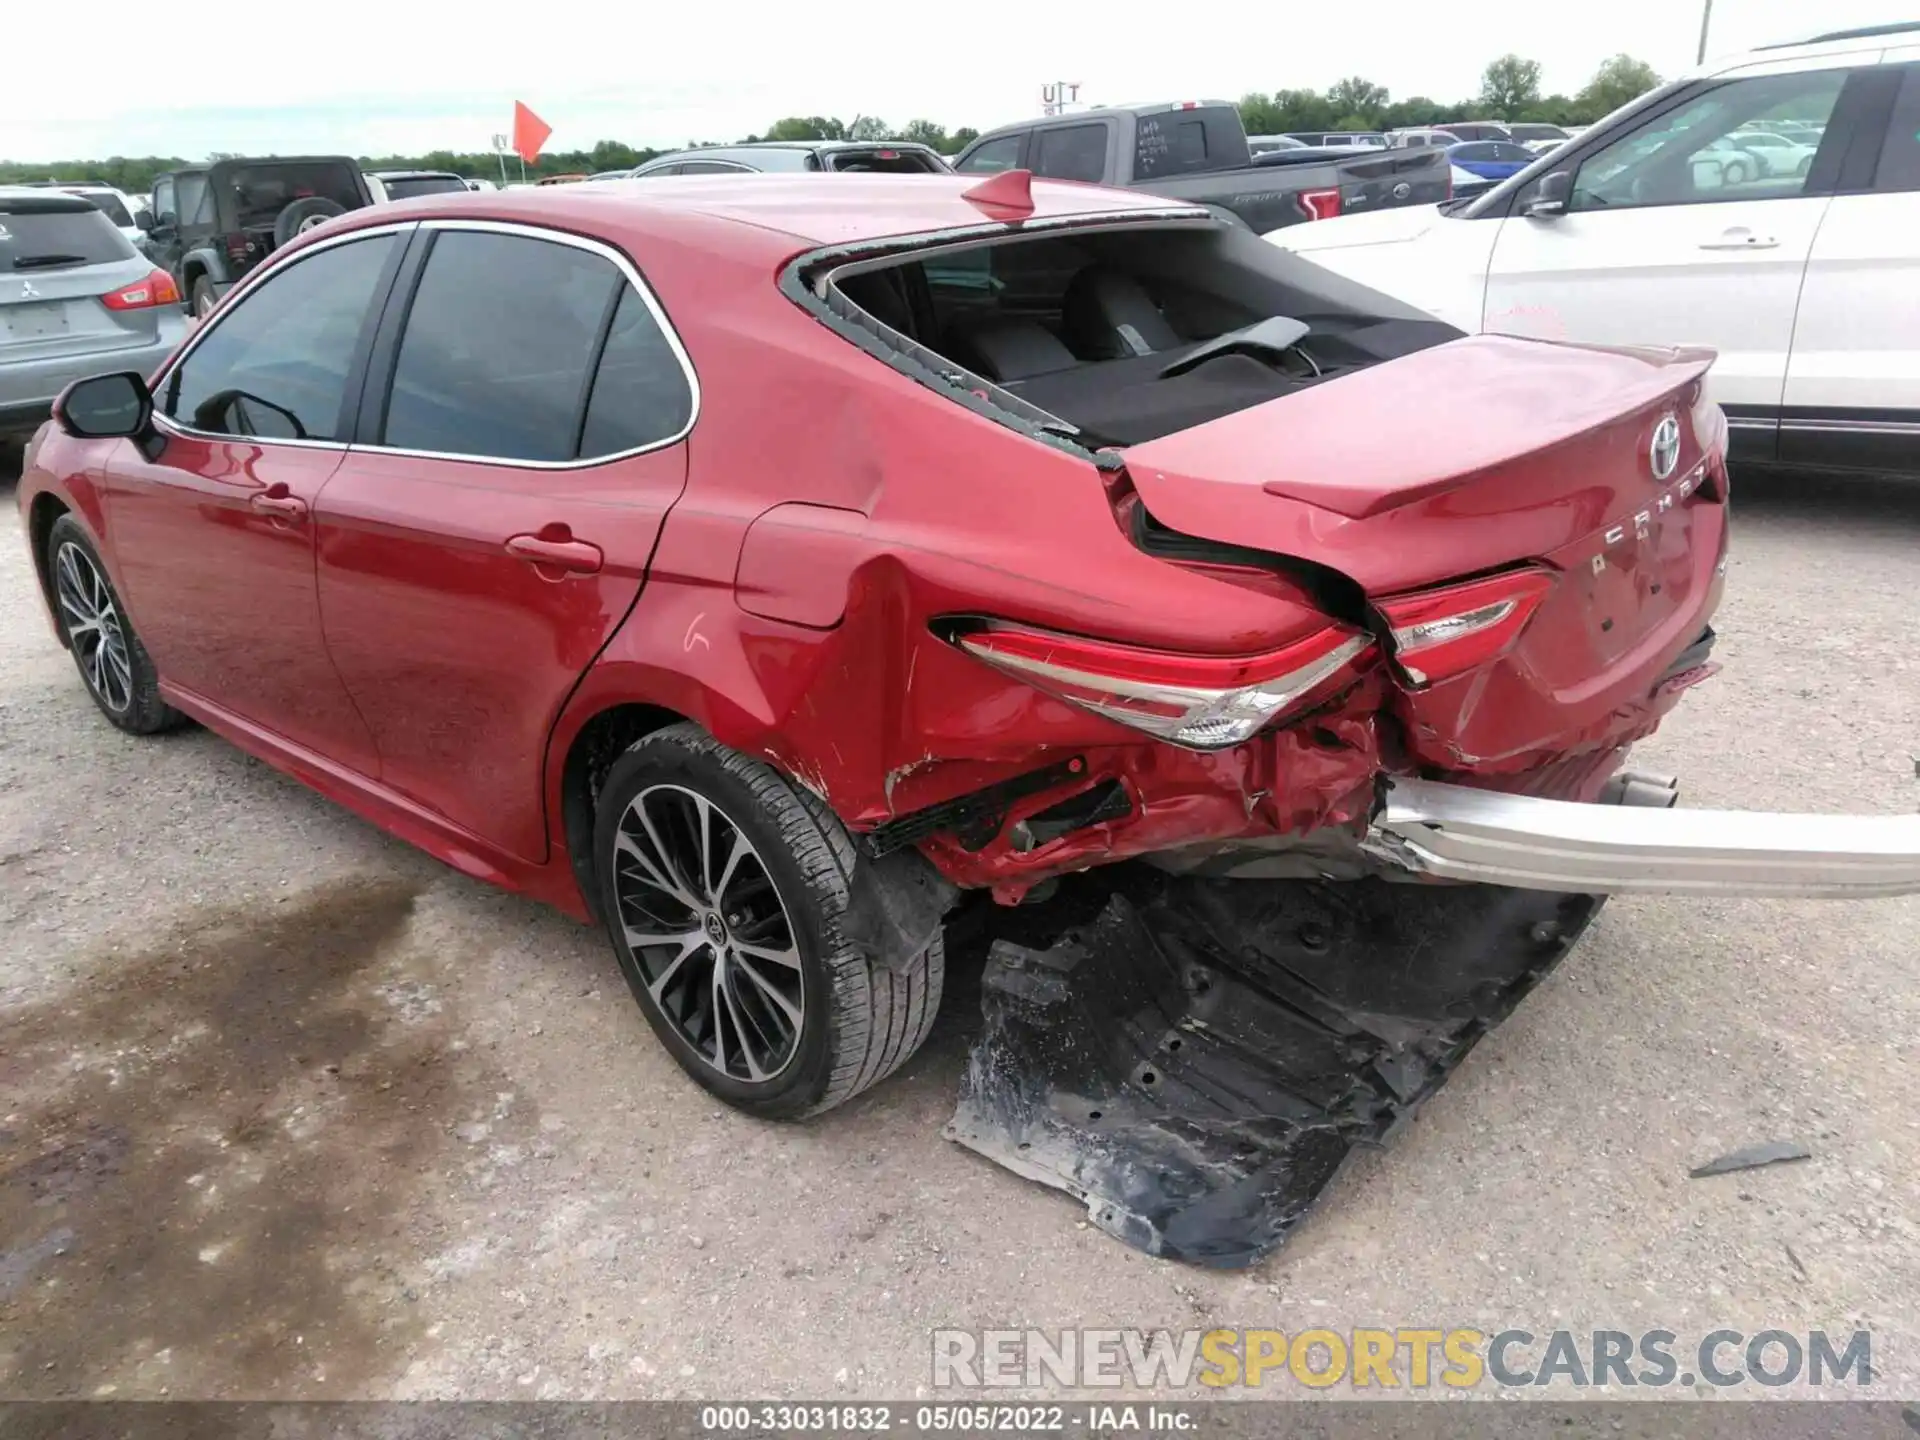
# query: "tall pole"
[[1706, 16]]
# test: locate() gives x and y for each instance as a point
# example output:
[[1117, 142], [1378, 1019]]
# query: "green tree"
[[1509, 85], [1617, 81], [810, 127], [868, 127], [924, 132], [1358, 100], [962, 138]]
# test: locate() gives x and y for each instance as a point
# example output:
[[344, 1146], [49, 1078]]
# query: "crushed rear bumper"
[[1451, 832], [1198, 1060]]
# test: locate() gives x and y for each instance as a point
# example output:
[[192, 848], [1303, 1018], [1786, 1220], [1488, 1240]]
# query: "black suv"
[[211, 224]]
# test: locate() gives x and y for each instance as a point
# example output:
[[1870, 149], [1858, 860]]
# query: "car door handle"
[[275, 500], [1741, 240], [575, 555]]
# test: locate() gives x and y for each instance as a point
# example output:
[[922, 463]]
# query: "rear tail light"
[[1441, 633], [1320, 204], [1200, 701], [157, 289], [238, 245]]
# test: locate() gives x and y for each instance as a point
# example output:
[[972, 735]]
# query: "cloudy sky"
[[398, 76]]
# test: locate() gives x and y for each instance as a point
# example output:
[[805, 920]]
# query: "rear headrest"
[[1008, 348], [1110, 316]]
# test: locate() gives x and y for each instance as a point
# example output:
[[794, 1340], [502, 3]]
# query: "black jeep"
[[211, 224]]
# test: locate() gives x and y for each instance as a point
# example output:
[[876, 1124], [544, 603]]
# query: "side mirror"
[[106, 407], [1552, 196], [144, 219]]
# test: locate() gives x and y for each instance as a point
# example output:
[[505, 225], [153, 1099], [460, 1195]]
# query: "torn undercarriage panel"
[[1198, 1060]]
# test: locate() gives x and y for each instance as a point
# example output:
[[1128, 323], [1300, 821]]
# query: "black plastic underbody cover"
[[1198, 1060]]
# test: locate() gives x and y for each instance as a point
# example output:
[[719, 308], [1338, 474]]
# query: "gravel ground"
[[291, 1111]]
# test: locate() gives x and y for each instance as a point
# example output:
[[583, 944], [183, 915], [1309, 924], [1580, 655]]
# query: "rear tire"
[[740, 880], [1734, 173], [113, 664]]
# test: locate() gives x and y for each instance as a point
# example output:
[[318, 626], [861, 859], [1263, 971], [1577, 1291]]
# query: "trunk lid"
[[1473, 457]]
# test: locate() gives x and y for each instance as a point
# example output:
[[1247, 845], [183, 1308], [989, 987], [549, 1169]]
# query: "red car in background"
[[757, 566]]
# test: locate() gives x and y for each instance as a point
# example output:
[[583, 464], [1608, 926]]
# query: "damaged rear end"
[[1472, 572]]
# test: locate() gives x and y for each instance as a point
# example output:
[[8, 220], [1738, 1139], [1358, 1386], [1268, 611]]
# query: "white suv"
[[1806, 278]]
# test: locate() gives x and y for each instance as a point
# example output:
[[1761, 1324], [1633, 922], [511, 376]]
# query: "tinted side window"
[[710, 167], [640, 393], [196, 200], [1077, 152], [497, 347], [1899, 167], [1688, 156], [163, 203], [994, 156], [276, 366]]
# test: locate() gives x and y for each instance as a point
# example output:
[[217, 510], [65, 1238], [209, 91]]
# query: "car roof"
[[46, 197], [416, 175], [814, 210]]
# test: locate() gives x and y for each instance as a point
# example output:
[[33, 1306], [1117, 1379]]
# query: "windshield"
[[405, 188], [108, 204], [887, 159], [53, 234]]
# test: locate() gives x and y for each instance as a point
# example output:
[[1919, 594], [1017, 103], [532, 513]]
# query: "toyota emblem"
[[1664, 453]]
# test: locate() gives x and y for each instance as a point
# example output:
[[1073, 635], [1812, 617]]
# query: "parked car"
[[1258, 145], [1535, 132], [899, 157], [211, 224], [1777, 154], [115, 204], [1466, 184], [389, 185], [1083, 567], [1417, 138], [560, 179], [76, 299], [1490, 159], [1370, 139], [1476, 129], [1197, 151], [1808, 284]]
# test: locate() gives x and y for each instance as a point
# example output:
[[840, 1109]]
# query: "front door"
[[1674, 234], [214, 538], [526, 444]]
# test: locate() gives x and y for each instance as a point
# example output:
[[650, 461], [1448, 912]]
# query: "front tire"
[[724, 890], [113, 664], [203, 297]]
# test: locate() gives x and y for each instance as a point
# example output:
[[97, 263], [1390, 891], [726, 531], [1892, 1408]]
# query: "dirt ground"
[[287, 1110]]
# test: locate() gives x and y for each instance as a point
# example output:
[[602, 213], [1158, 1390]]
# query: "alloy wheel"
[[710, 933], [92, 620]]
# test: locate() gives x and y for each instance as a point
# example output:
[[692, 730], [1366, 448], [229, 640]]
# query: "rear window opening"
[[49, 232], [887, 160], [408, 186], [1121, 335], [261, 192]]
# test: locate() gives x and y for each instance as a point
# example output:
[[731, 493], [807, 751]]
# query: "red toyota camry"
[[757, 565]]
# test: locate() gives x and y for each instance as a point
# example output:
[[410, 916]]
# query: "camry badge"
[[1664, 453]]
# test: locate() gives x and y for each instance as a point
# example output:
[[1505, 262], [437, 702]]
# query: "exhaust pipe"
[[1640, 844], [1641, 787]]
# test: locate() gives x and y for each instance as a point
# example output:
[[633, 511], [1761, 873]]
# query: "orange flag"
[[530, 132]]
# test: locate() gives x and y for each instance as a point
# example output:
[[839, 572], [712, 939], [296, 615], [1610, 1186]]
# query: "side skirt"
[[551, 883]]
